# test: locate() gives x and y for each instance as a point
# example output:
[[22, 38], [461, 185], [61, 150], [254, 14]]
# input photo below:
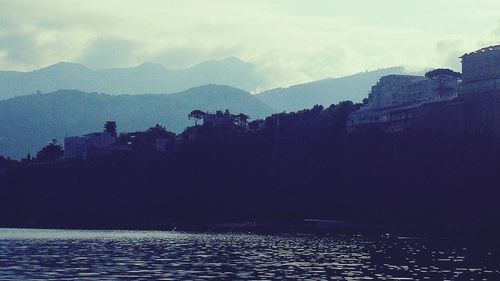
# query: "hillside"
[[146, 78], [29, 122], [325, 92]]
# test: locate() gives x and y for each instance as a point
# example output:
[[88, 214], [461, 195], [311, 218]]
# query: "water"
[[91, 255]]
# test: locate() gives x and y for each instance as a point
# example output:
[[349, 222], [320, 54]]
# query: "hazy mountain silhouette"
[[29, 122], [325, 92], [146, 78]]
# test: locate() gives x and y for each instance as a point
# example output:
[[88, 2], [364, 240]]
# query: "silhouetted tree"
[[442, 76], [159, 131], [110, 127], [197, 115], [50, 153], [28, 159], [443, 73]]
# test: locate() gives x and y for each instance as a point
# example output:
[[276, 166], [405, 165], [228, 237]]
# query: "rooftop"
[[484, 50]]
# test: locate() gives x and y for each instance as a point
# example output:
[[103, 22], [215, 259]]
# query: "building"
[[218, 119], [480, 90], [89, 145], [395, 102], [481, 71], [399, 103], [400, 90]]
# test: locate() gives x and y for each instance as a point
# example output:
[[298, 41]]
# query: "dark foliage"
[[299, 165], [196, 115], [50, 153], [110, 127], [440, 73]]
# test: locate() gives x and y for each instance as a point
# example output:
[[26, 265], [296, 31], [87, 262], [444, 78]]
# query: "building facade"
[[481, 71], [395, 102], [400, 102], [89, 145], [400, 90]]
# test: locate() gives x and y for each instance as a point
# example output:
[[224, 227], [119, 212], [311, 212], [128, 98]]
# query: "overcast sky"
[[291, 41]]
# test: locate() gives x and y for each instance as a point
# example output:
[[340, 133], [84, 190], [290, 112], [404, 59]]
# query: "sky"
[[292, 41]]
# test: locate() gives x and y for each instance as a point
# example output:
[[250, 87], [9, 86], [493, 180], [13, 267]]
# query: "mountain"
[[325, 92], [147, 78], [29, 122]]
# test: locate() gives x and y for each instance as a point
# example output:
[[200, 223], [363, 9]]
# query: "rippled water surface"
[[64, 255]]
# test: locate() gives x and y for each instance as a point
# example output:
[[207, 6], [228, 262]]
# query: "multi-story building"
[[89, 145], [399, 102], [481, 71], [480, 90], [398, 90], [394, 102]]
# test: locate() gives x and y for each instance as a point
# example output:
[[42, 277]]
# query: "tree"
[[159, 131], [110, 127], [443, 73], [197, 115], [27, 159], [50, 153], [442, 76]]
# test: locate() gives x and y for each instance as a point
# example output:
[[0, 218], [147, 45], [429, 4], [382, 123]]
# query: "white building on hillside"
[[392, 101]]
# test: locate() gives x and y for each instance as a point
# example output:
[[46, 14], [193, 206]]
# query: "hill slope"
[[325, 92], [29, 122], [146, 78]]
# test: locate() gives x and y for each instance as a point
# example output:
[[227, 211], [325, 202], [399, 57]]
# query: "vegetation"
[[290, 167], [442, 77], [110, 127], [49, 153], [196, 115], [441, 74]]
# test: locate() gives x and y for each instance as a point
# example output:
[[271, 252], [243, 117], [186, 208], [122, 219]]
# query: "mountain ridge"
[[325, 91], [30, 121], [141, 79]]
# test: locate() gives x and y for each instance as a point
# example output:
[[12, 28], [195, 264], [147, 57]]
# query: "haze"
[[290, 41]]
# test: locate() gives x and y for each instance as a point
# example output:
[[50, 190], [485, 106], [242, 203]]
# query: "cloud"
[[496, 31], [106, 52], [290, 41], [449, 52], [19, 48], [186, 56]]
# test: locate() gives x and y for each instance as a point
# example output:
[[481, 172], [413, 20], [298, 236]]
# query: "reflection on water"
[[64, 255]]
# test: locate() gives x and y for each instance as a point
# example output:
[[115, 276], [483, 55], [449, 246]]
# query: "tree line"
[[297, 165]]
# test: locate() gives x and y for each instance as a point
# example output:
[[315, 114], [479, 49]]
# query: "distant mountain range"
[[29, 122], [325, 92], [146, 78]]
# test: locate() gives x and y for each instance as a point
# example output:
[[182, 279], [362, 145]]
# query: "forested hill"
[[29, 122]]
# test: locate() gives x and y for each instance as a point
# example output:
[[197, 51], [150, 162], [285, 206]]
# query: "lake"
[[93, 255]]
